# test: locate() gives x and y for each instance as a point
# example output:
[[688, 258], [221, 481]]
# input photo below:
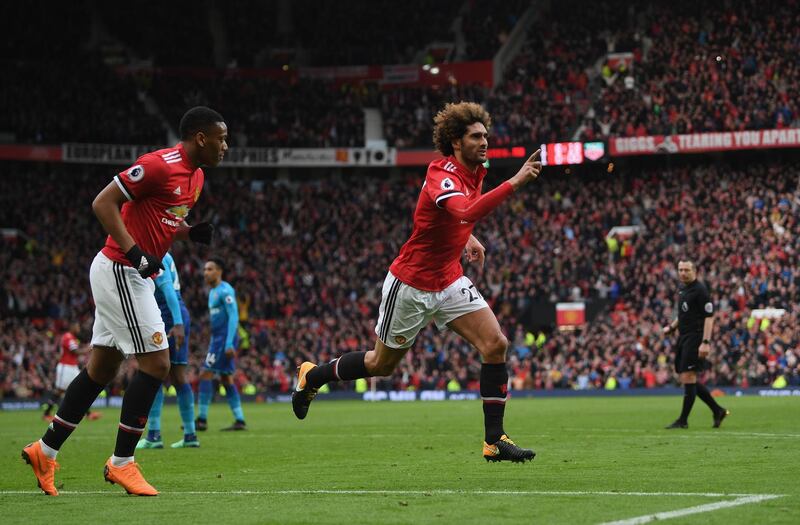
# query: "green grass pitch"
[[598, 460]]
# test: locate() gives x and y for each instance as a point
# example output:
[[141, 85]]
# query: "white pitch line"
[[649, 432], [708, 507], [357, 492]]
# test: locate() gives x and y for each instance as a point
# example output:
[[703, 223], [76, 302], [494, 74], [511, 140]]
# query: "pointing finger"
[[535, 156]]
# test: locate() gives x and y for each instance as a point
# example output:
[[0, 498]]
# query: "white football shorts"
[[65, 374], [405, 310], [126, 315]]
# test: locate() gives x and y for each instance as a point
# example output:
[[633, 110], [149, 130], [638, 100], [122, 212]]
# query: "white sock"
[[48, 451], [120, 462]]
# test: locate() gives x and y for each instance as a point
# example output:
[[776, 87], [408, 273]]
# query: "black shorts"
[[686, 354]]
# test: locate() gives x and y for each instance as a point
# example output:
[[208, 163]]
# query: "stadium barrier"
[[441, 395], [553, 154]]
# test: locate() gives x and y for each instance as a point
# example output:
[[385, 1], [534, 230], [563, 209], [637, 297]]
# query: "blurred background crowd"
[[307, 252]]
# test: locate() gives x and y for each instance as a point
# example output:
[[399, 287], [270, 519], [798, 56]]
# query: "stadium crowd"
[[275, 113], [734, 71], [307, 256], [733, 68]]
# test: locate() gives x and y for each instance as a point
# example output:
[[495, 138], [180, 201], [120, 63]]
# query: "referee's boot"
[[721, 414], [303, 395], [506, 450], [677, 424]]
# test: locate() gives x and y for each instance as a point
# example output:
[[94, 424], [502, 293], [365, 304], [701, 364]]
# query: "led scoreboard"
[[567, 153]]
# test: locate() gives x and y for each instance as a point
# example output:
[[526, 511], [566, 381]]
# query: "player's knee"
[[155, 365], [160, 370], [495, 347], [375, 367], [101, 375]]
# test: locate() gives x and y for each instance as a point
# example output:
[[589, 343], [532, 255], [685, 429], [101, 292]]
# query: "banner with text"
[[241, 157], [705, 142]]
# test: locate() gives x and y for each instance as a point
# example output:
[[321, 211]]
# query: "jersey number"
[[465, 291]]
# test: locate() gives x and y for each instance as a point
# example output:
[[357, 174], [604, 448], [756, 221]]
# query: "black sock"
[[136, 405], [689, 393], [707, 398], [348, 367], [494, 391], [79, 396]]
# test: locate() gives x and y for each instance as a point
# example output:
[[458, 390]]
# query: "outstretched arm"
[[462, 209]]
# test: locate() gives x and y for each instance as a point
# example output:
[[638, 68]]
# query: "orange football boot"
[[130, 478], [44, 468]]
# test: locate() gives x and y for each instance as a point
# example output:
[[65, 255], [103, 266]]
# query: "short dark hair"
[[199, 118], [451, 123], [218, 261]]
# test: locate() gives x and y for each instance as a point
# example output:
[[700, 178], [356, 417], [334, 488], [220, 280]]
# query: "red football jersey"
[[161, 188], [431, 259], [69, 344]]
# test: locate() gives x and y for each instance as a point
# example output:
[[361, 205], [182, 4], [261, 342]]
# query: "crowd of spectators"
[[273, 112], [487, 25], [734, 67], [48, 103], [307, 256], [541, 97]]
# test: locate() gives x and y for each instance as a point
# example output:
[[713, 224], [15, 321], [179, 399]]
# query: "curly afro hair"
[[451, 123]]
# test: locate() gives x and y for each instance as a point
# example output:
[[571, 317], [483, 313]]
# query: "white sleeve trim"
[[446, 196], [122, 188]]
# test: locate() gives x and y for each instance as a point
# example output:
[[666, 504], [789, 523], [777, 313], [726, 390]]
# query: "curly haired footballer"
[[451, 123], [426, 281]]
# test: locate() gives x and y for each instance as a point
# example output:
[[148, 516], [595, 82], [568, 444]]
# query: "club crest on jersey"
[[709, 308], [685, 306], [135, 173], [447, 184], [158, 338], [179, 212], [399, 339]]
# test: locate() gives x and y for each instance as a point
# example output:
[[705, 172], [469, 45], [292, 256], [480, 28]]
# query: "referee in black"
[[695, 323]]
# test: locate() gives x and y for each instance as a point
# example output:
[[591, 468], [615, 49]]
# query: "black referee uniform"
[[694, 306]]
